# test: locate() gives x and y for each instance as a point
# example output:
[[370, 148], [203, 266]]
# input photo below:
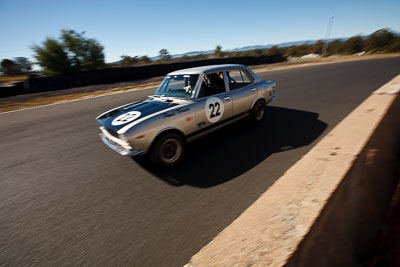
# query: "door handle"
[[253, 89], [227, 98]]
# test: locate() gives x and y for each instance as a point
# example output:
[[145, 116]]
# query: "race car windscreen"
[[181, 86]]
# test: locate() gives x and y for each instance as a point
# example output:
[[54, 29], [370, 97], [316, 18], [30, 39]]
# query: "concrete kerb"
[[326, 206]]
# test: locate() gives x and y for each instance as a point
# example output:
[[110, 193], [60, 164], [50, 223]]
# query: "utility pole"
[[328, 33]]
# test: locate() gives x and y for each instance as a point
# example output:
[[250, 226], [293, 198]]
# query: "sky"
[[138, 28]]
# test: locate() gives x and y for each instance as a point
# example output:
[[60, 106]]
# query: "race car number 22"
[[214, 109]]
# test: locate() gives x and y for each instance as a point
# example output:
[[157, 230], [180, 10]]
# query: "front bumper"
[[118, 148], [272, 98]]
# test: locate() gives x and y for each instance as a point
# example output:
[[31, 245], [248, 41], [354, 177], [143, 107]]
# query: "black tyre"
[[168, 150], [258, 111]]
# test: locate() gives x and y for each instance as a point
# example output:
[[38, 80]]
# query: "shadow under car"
[[225, 154]]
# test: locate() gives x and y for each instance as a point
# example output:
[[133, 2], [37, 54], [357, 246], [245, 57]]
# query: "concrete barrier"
[[329, 205]]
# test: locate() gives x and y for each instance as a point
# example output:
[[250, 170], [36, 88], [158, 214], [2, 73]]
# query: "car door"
[[243, 91], [213, 102]]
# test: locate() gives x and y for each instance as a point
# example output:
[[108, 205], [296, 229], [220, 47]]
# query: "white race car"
[[189, 103]]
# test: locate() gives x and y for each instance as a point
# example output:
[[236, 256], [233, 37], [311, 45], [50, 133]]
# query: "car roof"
[[202, 69]]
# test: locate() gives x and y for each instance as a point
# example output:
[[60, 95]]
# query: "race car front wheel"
[[168, 150]]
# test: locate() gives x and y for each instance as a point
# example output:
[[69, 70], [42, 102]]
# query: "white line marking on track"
[[79, 99]]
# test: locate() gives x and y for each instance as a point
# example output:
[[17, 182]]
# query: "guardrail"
[[123, 74]]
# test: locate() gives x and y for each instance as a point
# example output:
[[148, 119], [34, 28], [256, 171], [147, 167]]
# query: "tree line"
[[73, 51], [381, 41]]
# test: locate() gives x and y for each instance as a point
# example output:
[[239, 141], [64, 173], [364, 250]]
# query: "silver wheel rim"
[[170, 150], [259, 112]]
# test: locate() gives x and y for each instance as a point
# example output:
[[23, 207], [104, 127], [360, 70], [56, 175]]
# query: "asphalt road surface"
[[67, 199]]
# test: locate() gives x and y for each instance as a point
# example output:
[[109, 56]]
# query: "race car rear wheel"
[[168, 150], [258, 111]]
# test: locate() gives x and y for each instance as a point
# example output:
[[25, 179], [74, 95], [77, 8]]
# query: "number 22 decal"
[[214, 109]]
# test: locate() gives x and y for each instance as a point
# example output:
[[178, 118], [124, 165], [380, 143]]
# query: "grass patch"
[[12, 78], [40, 101]]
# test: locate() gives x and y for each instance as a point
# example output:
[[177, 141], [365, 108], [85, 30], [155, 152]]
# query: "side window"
[[212, 84], [247, 79], [238, 79]]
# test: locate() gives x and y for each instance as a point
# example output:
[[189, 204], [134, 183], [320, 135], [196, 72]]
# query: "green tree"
[[236, 54], [24, 64], [10, 67], [303, 49], [52, 57], [335, 47], [218, 51], [164, 54], [379, 40], [395, 45], [72, 52], [317, 48], [257, 52], [17, 66], [353, 45], [292, 51], [128, 60], [144, 60], [273, 50]]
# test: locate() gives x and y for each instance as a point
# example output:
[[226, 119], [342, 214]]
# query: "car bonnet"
[[119, 117]]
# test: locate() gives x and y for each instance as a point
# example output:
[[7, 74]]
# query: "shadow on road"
[[229, 152]]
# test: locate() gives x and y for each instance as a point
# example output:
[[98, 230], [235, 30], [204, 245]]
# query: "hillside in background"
[[245, 48]]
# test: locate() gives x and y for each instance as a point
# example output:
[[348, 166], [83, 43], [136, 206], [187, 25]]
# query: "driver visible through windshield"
[[180, 86]]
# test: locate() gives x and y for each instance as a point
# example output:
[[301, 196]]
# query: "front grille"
[[114, 139], [112, 132], [115, 144]]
